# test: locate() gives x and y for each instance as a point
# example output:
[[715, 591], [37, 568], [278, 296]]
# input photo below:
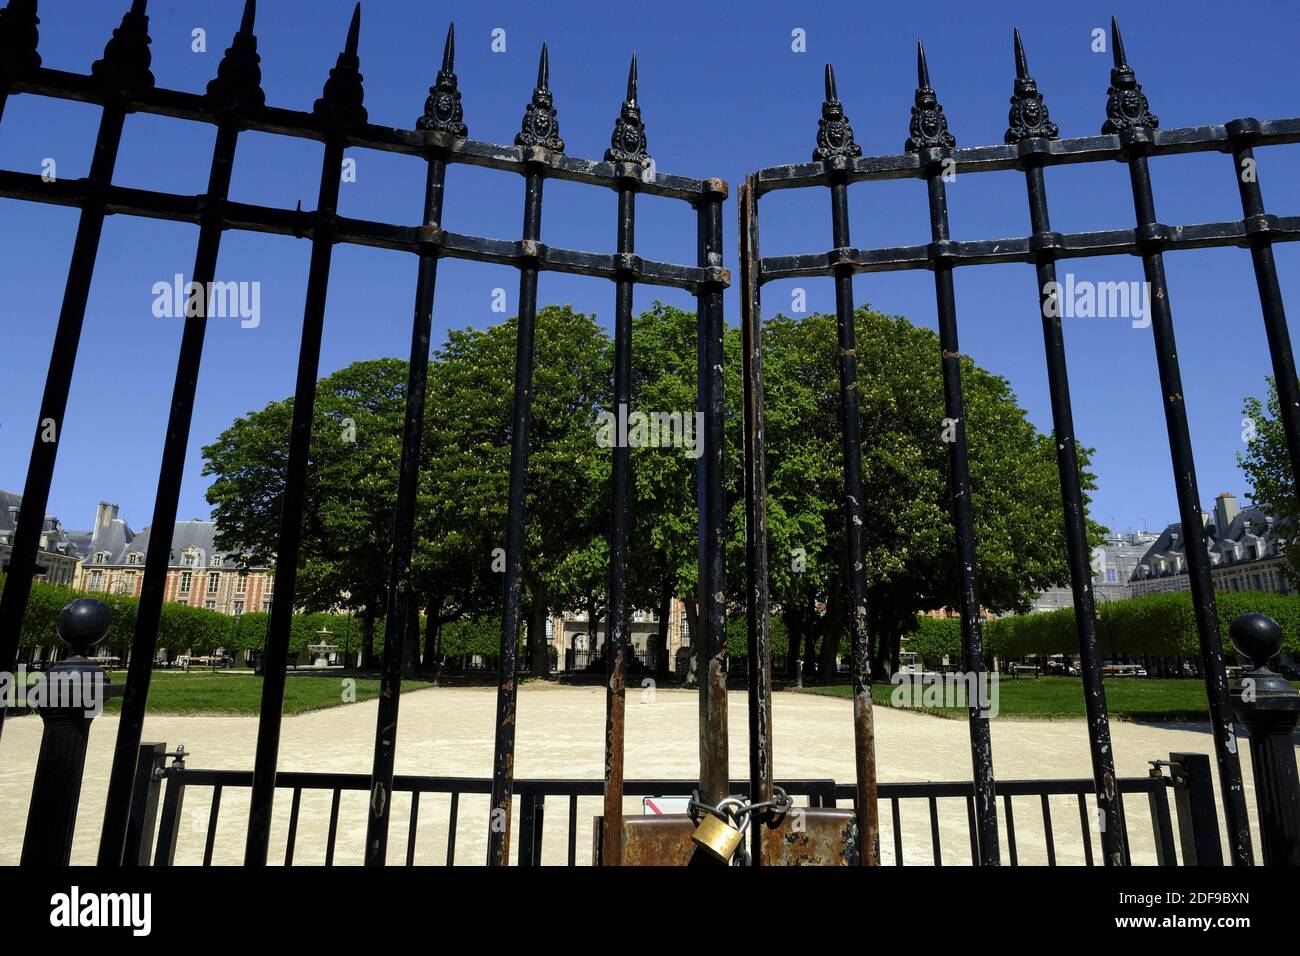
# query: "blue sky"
[[722, 93]]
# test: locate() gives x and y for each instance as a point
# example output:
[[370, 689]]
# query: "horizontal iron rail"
[[1043, 152], [1029, 249], [269, 119], [416, 239]]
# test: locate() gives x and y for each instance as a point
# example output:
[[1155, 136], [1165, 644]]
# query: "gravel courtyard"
[[449, 732]]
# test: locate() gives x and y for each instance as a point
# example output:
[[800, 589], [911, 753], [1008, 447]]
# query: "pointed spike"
[[1022, 65], [831, 93], [922, 71], [354, 32], [449, 49], [250, 15], [631, 80], [1117, 45], [544, 70], [137, 7]]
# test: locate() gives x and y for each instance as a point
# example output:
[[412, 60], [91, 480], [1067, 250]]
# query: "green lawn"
[[218, 692], [1128, 698]]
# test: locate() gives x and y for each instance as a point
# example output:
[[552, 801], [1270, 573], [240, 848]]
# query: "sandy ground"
[[449, 732]]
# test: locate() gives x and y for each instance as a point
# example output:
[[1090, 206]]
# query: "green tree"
[[1267, 466]]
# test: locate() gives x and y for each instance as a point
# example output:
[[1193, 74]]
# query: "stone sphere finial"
[[83, 623], [1256, 636]]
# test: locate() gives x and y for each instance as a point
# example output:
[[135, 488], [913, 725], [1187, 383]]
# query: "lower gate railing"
[[1186, 835]]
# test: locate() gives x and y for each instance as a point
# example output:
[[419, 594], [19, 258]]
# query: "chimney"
[[104, 516], [1225, 509]]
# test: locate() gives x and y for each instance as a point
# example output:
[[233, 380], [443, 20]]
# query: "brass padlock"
[[717, 836]]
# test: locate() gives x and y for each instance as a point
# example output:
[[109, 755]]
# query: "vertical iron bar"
[[237, 84], [451, 828], [935, 847], [864, 742], [1076, 533], [1128, 116], [615, 687], [339, 106], [573, 829], [124, 68], [1086, 831], [898, 831], [1011, 828], [410, 830], [1047, 830], [1189, 508], [333, 828], [1270, 292], [498, 852], [715, 778], [758, 623], [213, 814], [292, 840], [399, 582], [149, 767], [19, 38], [964, 523]]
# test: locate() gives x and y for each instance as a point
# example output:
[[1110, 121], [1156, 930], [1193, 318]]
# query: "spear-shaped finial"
[[541, 127], [124, 67], [1126, 104], [1117, 45], [19, 37], [628, 144], [442, 110], [238, 84], [449, 49], [1028, 116], [343, 100], [929, 127], [834, 134]]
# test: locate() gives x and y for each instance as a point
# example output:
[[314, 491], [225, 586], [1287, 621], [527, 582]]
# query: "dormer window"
[[189, 559], [216, 560], [133, 557], [101, 557]]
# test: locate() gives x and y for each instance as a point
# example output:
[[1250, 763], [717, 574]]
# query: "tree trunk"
[[693, 625], [368, 637], [411, 645], [661, 647], [432, 626], [539, 660], [826, 669]]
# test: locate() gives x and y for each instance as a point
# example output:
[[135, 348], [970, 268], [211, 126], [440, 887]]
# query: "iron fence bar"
[[292, 840], [931, 141], [124, 67], [238, 82], [714, 772], [149, 768], [1162, 825], [339, 105], [19, 38], [1243, 134], [758, 610], [898, 831], [835, 146], [1085, 831], [1009, 814], [983, 159], [170, 820], [573, 829], [541, 133], [451, 828], [333, 827], [628, 145], [1048, 840], [1128, 116], [410, 830], [934, 832], [438, 112], [1030, 125], [210, 843]]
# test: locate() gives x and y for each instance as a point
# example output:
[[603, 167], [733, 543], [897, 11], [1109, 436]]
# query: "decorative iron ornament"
[[125, 66], [1126, 104], [541, 128], [834, 134], [929, 127], [342, 101], [628, 144], [19, 37], [239, 77], [442, 110], [1028, 116]]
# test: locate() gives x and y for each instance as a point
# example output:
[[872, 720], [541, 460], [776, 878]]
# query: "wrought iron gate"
[[121, 83], [1129, 135]]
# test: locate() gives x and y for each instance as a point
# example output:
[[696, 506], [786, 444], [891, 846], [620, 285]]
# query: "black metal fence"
[[1032, 144], [121, 83], [1188, 835]]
